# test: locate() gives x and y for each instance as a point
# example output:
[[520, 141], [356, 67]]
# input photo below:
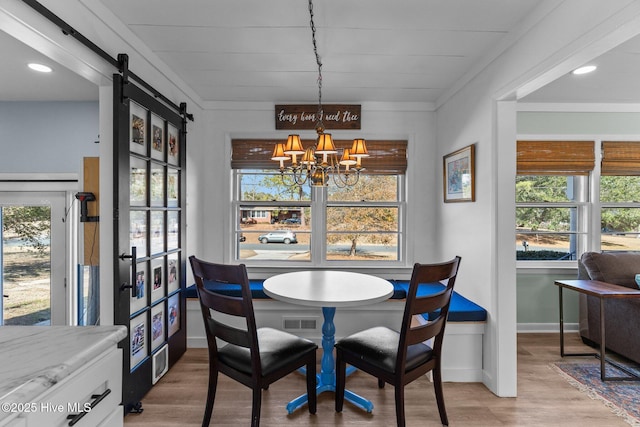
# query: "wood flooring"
[[544, 398]]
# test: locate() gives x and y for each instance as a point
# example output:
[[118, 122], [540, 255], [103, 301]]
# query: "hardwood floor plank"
[[544, 398]]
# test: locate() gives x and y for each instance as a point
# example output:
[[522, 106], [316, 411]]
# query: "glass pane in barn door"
[[149, 239], [32, 270]]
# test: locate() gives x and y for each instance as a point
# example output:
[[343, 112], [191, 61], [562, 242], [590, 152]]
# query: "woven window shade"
[[620, 158], [555, 157], [385, 157]]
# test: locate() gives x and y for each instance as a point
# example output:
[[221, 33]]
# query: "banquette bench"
[[462, 350]]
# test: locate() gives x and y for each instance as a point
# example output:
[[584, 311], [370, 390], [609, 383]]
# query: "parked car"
[[291, 221], [280, 236]]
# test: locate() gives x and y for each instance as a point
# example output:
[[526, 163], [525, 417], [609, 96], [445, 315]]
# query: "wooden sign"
[[335, 116]]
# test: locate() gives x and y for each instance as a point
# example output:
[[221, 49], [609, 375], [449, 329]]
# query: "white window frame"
[[583, 208], [318, 203]]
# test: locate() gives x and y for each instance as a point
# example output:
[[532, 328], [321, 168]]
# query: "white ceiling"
[[371, 50]]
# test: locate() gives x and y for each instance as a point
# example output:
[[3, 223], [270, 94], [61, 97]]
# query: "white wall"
[[553, 40], [414, 122], [47, 137]]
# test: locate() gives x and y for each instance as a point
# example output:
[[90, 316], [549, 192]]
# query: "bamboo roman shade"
[[385, 157], [620, 158], [555, 157]]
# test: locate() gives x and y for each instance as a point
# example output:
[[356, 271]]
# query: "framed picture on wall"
[[173, 149], [158, 280], [173, 316], [157, 326], [139, 340], [458, 171], [138, 129], [157, 137]]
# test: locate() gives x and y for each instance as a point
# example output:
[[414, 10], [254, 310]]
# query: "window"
[[548, 217], [620, 196], [551, 196], [553, 201], [277, 220]]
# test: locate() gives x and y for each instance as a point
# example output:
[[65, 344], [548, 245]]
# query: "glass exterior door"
[[32, 258]]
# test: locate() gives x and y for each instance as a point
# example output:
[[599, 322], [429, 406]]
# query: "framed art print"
[[157, 326], [140, 294], [458, 171], [173, 149], [173, 316], [139, 348], [172, 273], [157, 137], [157, 285], [139, 126]]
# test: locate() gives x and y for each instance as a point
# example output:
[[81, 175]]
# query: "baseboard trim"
[[546, 327]]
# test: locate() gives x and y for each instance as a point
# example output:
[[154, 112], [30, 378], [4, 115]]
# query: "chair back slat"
[[230, 334], [222, 314], [425, 332], [219, 302], [431, 303], [412, 333]]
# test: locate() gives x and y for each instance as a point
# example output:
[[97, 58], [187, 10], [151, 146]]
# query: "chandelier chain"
[[319, 123]]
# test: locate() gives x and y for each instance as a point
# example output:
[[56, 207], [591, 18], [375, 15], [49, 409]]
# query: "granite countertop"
[[35, 358]]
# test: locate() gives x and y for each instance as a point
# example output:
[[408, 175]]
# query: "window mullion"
[[318, 225]]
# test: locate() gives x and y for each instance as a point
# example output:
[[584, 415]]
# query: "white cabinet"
[[91, 394], [61, 376]]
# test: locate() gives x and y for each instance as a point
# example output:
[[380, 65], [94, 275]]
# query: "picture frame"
[[173, 316], [139, 347], [458, 170], [138, 129], [157, 326], [157, 279], [157, 138]]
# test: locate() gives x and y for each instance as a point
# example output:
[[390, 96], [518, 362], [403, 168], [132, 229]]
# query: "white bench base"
[[462, 348]]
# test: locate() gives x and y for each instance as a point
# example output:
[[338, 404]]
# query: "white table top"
[[326, 288]]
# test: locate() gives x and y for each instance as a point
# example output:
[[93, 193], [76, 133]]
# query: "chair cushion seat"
[[277, 349], [379, 347]]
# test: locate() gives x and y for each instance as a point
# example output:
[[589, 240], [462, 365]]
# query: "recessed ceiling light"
[[584, 70], [40, 67]]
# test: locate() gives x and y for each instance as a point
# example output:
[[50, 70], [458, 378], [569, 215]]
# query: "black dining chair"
[[255, 357], [399, 358]]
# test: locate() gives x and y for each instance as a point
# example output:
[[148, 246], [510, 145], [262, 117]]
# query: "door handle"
[[133, 257]]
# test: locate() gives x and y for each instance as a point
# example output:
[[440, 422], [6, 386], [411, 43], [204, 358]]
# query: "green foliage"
[[542, 188], [31, 224], [357, 221]]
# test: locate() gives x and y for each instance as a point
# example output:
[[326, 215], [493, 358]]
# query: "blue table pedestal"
[[326, 380]]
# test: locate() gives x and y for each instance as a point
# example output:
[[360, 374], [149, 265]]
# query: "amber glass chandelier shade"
[[293, 145], [346, 159], [325, 144], [278, 152], [309, 157], [359, 148]]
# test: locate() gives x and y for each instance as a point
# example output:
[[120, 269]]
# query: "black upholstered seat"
[[255, 357], [399, 358]]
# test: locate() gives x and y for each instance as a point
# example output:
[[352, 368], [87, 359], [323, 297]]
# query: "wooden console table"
[[602, 291]]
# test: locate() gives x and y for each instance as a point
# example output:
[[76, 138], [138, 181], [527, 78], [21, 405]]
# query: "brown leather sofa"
[[622, 316]]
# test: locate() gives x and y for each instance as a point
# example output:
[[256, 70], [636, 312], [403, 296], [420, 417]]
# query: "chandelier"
[[316, 164]]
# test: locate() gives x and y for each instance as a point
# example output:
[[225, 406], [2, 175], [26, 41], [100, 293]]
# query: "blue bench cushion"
[[461, 309], [232, 290]]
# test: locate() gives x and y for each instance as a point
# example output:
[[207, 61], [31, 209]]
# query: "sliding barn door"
[[149, 236]]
